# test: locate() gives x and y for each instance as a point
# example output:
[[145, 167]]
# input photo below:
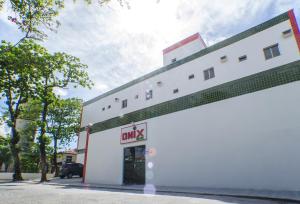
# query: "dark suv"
[[70, 169]]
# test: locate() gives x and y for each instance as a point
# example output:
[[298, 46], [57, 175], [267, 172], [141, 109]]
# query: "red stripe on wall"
[[295, 27], [86, 152], [181, 43]]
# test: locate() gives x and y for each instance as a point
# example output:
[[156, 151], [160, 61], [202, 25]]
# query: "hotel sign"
[[134, 133]]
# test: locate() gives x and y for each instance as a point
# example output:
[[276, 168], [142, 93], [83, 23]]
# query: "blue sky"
[[120, 44]]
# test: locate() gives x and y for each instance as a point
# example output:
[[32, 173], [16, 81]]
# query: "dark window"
[[124, 103], [174, 60], [149, 94], [243, 58], [68, 159], [272, 51], [175, 91], [287, 32], [192, 76], [109, 106], [223, 58], [136, 96], [209, 73], [103, 109]]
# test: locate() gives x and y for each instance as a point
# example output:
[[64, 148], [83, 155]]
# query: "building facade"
[[224, 116]]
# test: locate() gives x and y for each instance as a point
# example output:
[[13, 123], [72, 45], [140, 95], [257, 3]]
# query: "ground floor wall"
[[248, 142]]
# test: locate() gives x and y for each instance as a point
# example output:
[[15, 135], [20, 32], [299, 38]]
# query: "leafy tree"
[[5, 155], [17, 74], [29, 148], [57, 71], [63, 123]]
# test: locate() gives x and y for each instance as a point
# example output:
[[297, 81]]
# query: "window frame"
[[191, 76], [124, 103], [269, 50], [149, 94], [209, 73], [243, 58]]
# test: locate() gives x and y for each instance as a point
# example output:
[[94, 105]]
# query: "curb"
[[259, 197]]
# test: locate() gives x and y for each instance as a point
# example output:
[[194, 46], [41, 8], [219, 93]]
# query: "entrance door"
[[134, 165]]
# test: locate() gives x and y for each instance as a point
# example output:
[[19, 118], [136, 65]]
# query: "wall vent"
[[287, 33]]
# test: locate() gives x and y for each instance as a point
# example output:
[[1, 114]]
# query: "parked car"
[[70, 169]]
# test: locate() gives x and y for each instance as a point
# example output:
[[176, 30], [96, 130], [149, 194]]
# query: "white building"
[[224, 116]]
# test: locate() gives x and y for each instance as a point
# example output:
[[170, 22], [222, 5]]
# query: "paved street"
[[29, 193]]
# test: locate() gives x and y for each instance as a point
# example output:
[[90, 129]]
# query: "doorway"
[[134, 165]]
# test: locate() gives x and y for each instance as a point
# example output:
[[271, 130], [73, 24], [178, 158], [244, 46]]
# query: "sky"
[[120, 44]]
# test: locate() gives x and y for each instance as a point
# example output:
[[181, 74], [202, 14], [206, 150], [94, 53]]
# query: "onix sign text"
[[133, 133]]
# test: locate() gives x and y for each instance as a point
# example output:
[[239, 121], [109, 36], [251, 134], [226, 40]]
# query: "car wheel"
[[62, 177], [69, 175]]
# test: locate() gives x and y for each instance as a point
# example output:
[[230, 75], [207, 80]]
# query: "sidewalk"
[[292, 196]]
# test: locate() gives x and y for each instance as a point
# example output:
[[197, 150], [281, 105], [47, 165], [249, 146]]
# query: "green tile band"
[[263, 80], [217, 46]]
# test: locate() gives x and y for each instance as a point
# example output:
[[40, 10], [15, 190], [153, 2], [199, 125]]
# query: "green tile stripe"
[[217, 46], [263, 80]]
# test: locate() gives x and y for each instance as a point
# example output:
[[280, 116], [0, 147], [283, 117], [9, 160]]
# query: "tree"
[[56, 71], [63, 123], [5, 155], [17, 74], [29, 149]]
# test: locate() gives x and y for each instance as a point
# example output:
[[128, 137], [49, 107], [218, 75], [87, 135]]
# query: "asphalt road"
[[29, 193]]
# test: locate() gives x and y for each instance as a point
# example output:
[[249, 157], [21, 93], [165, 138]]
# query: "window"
[[174, 60], [109, 106], [175, 91], [159, 83], [243, 58], [272, 51], [148, 94], [103, 109], [124, 103], [287, 33], [136, 96], [68, 159], [192, 76], [209, 73], [223, 58]]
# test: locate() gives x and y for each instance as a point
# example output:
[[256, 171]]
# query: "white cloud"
[[100, 87], [60, 92]]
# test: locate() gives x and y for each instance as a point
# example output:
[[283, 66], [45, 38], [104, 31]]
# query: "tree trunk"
[[15, 153], [43, 160], [42, 145], [6, 165], [56, 169]]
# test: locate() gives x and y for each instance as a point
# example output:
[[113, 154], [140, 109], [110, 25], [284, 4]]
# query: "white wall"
[[248, 142], [183, 51], [81, 146], [178, 77]]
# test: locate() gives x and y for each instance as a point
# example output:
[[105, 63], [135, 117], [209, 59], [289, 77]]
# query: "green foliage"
[[5, 154], [17, 74], [64, 120], [31, 15]]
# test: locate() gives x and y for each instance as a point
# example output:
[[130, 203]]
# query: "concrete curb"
[[161, 190]]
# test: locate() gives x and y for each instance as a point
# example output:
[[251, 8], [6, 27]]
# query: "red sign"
[[134, 133]]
